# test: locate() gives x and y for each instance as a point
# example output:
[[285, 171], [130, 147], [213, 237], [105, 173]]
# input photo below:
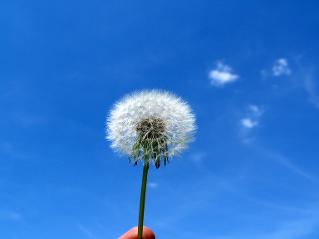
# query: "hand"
[[132, 234]]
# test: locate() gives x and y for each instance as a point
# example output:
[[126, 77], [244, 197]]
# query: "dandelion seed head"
[[151, 122]]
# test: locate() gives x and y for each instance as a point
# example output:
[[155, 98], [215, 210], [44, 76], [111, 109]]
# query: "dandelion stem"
[[142, 201]]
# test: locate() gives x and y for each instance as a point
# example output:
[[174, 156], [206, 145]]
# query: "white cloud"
[[222, 74], [249, 123], [252, 117], [281, 67]]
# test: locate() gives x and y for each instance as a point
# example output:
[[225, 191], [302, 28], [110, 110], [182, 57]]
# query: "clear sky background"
[[249, 70]]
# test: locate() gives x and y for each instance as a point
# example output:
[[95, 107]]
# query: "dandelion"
[[150, 126]]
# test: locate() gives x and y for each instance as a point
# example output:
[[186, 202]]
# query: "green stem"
[[142, 201]]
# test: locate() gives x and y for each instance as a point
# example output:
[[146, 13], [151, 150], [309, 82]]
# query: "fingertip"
[[133, 233]]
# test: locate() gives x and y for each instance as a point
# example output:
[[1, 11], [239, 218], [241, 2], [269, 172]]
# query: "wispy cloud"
[[294, 228], [152, 185], [205, 194], [284, 161], [311, 88], [249, 123], [87, 232], [252, 117], [197, 157], [249, 120], [281, 67], [13, 216], [289, 164], [222, 74], [9, 150], [255, 110], [303, 77]]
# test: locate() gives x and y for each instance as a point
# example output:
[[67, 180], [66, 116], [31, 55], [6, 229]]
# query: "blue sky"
[[248, 69]]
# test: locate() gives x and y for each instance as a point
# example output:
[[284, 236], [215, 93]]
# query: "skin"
[[132, 234]]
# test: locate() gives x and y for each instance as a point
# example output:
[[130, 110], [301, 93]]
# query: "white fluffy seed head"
[[172, 116]]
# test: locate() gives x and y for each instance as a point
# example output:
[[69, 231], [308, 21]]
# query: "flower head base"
[[151, 141], [150, 126]]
